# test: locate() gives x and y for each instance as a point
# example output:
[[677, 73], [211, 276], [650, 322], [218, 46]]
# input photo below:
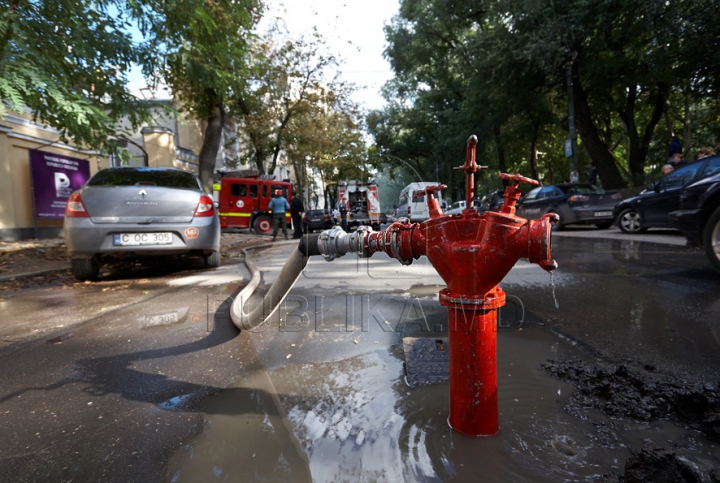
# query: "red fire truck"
[[244, 202]]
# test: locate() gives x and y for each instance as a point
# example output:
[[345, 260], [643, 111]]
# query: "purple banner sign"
[[54, 178]]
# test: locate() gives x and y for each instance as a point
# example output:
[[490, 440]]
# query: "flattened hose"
[[278, 290]]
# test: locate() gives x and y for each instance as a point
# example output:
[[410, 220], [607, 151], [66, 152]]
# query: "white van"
[[416, 208]]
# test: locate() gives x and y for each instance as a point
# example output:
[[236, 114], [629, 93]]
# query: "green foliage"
[[294, 103], [498, 70], [203, 47], [66, 61]]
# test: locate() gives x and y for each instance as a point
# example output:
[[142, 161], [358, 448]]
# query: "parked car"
[[316, 220], [574, 203], [139, 212], [699, 215], [456, 208], [651, 207], [491, 201]]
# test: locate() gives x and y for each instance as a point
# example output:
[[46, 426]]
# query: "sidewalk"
[[33, 257]]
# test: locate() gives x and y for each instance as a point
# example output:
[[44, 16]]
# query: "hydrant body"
[[472, 253]]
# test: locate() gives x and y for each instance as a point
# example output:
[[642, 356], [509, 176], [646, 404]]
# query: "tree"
[[500, 69], [291, 78], [329, 142], [66, 61], [204, 46]]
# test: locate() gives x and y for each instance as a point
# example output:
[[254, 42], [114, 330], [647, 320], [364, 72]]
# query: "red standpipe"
[[472, 253]]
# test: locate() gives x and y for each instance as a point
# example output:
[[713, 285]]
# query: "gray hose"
[[278, 290]]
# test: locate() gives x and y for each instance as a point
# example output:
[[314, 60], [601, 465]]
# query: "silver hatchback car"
[[138, 212]]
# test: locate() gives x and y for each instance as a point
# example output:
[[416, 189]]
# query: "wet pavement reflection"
[[334, 404]]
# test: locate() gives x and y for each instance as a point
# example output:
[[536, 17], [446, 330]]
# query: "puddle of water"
[[357, 420]]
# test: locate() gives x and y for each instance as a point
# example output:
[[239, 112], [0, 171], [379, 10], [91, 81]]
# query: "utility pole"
[[571, 144]]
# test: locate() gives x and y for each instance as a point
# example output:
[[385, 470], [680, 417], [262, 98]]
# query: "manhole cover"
[[427, 361]]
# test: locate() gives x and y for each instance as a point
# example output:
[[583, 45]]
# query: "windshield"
[[166, 178]]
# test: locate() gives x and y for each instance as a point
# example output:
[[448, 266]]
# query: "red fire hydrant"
[[472, 253]]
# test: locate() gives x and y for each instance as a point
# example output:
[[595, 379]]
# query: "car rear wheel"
[[604, 225], [629, 222], [85, 268], [212, 260], [711, 239], [263, 225]]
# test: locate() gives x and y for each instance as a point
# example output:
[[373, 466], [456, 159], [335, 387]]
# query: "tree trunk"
[[594, 145], [533, 150], [639, 146], [210, 146]]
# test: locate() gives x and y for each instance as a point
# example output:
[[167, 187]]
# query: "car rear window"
[[145, 177], [580, 189]]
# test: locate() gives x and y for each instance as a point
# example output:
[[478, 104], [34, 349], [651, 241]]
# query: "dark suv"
[[699, 216], [650, 208]]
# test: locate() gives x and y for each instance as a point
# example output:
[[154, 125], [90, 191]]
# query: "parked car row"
[[574, 203]]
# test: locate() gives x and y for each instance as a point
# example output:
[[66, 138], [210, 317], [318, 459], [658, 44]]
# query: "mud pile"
[[660, 466], [622, 392]]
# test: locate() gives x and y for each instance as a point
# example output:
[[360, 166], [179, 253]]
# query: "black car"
[[699, 215], [574, 203], [490, 202], [650, 208], [316, 220]]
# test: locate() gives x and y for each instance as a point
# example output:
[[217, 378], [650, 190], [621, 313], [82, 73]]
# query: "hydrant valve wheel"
[[518, 179]]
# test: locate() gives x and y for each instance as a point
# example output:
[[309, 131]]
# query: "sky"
[[354, 30]]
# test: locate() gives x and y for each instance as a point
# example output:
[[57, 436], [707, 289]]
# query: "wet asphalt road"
[[131, 378]]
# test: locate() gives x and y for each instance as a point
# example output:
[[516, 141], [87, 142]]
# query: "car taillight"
[[408, 210], [616, 196], [327, 217], [205, 207], [75, 207], [578, 198]]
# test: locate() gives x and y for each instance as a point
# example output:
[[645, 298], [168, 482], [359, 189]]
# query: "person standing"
[[592, 174], [674, 147], [297, 209], [279, 206], [343, 215]]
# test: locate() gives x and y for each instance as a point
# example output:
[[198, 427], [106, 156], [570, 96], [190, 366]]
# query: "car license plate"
[[603, 213], [136, 239]]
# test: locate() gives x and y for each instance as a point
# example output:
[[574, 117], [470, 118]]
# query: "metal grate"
[[427, 360]]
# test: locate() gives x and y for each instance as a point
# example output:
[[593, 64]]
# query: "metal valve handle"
[[513, 193], [429, 190], [517, 179]]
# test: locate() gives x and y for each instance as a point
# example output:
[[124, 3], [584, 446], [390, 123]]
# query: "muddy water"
[[355, 419]]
